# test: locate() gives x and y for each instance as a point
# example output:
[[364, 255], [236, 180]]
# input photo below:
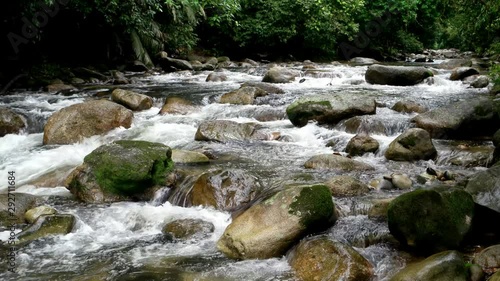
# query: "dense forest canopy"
[[96, 30]]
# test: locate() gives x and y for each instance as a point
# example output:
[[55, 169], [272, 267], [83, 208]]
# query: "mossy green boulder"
[[47, 225], [444, 266], [323, 259], [269, 228], [122, 170], [328, 109], [431, 221]]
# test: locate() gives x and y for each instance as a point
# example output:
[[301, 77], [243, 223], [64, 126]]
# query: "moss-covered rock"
[[328, 109], [122, 170], [270, 227], [430, 221], [10, 122], [47, 225], [188, 228], [341, 186], [336, 162], [131, 100], [33, 214], [324, 259], [444, 266], [484, 187], [396, 75], [413, 144]]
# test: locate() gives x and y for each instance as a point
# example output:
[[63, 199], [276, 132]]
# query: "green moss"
[[313, 205]]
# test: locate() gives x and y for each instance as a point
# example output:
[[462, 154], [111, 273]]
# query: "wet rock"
[[489, 258], [396, 75], [324, 259], [362, 61], [495, 277], [188, 228], [119, 78], [269, 228], [10, 122], [485, 188], [342, 186], [225, 189], [131, 100], [76, 122], [32, 214], [47, 225], [23, 202], [175, 105], [430, 221], [336, 162], [408, 107], [52, 179], [444, 266], [496, 142], [379, 209], [225, 131], [364, 124], [223, 59], [328, 109], [77, 81], [454, 63], [280, 75], [481, 81], [460, 73], [189, 157], [401, 181], [462, 120], [268, 87], [243, 96], [413, 144], [58, 87], [216, 77], [361, 144], [122, 170], [170, 64], [251, 62], [137, 66]]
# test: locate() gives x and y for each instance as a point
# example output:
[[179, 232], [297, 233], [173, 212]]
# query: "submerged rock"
[[485, 188], [176, 105], [131, 100], [430, 221], [47, 225], [76, 122], [225, 190], [269, 228], [216, 77], [361, 144], [346, 186], [280, 75], [10, 122], [188, 228], [327, 260], [396, 75], [336, 162], [243, 96], [328, 109], [444, 266], [122, 170], [413, 144], [225, 131]]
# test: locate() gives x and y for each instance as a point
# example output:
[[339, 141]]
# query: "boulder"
[[396, 75], [328, 109], [489, 258], [188, 228], [342, 186], [216, 77], [361, 144], [268, 87], [189, 157], [495, 90], [59, 87], [454, 63], [225, 131], [223, 59], [119, 78], [485, 188], [327, 260], [131, 100], [23, 202], [378, 210], [495, 277], [336, 162], [408, 107], [170, 64], [481, 81], [413, 144], [76, 122], [362, 61], [225, 189], [280, 75], [430, 221], [467, 119], [176, 105], [444, 266], [401, 181], [461, 73], [10, 122], [242, 96], [122, 170], [47, 225], [32, 214], [366, 125], [270, 227], [251, 62]]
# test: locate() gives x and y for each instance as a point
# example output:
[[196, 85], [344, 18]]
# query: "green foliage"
[[495, 74]]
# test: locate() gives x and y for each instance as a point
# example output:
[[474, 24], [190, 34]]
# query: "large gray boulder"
[[10, 122], [461, 73], [328, 109], [336, 162], [444, 266], [120, 171], [243, 96], [396, 75], [269, 228], [280, 75], [225, 131], [485, 188], [478, 117], [171, 64], [413, 144], [327, 260], [131, 100], [361, 144], [430, 221], [176, 105], [76, 122]]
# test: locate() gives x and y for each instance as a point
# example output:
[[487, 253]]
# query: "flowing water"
[[123, 241]]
